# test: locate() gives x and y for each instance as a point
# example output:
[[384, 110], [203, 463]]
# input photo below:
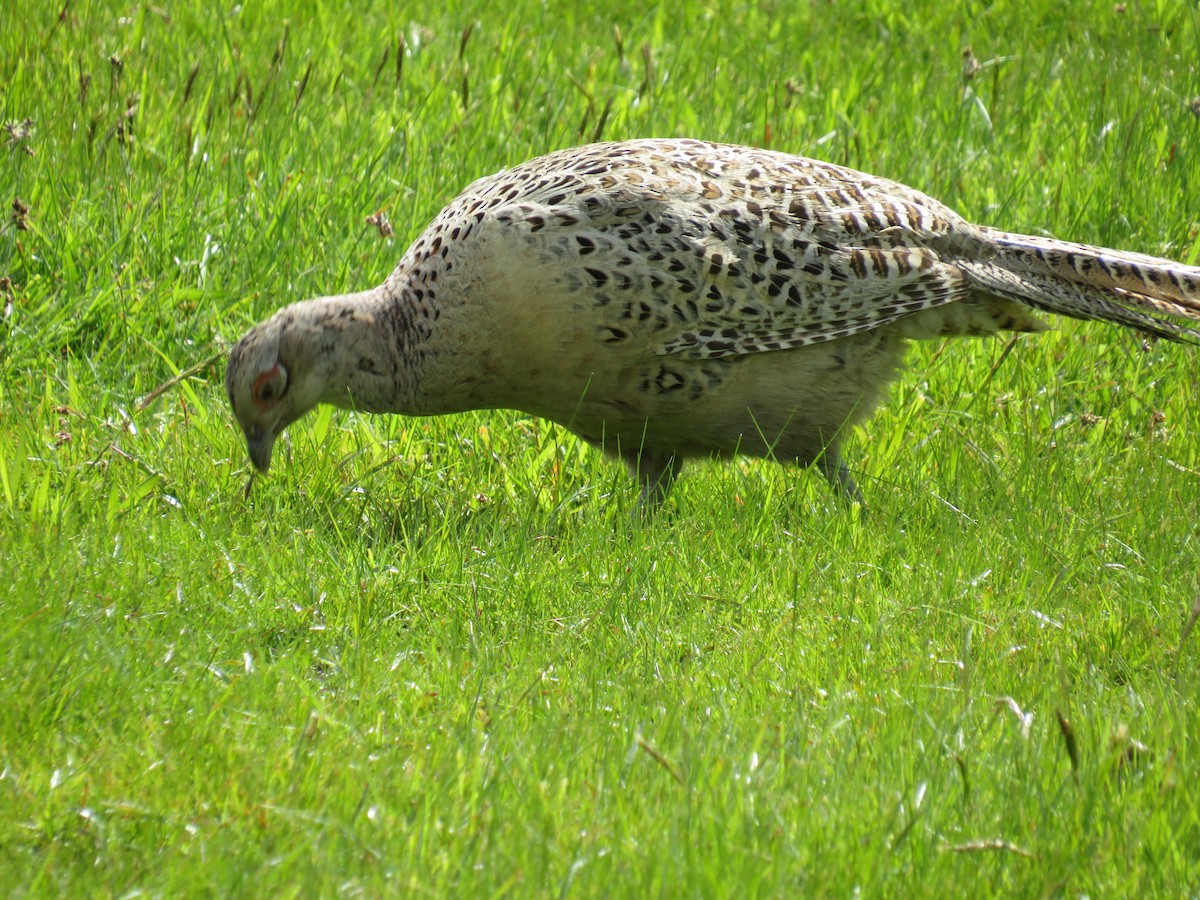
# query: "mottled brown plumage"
[[673, 298]]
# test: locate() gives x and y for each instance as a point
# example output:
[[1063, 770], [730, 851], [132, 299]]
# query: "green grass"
[[435, 656]]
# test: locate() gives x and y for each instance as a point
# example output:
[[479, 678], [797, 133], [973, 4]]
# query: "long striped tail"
[[1132, 289]]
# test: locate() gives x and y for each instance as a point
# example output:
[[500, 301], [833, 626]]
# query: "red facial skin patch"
[[256, 388]]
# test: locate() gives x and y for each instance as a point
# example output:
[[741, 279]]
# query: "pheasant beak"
[[259, 441]]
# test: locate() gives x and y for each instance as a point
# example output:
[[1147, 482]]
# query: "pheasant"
[[666, 299]]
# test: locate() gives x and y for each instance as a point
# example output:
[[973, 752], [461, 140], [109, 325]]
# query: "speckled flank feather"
[[669, 298]]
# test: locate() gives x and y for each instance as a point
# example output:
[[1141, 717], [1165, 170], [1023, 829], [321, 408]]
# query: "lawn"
[[438, 656]]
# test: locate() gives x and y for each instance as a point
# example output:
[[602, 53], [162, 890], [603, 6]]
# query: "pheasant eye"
[[269, 386]]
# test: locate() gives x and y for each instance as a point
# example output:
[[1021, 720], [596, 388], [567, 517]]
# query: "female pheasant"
[[673, 298]]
